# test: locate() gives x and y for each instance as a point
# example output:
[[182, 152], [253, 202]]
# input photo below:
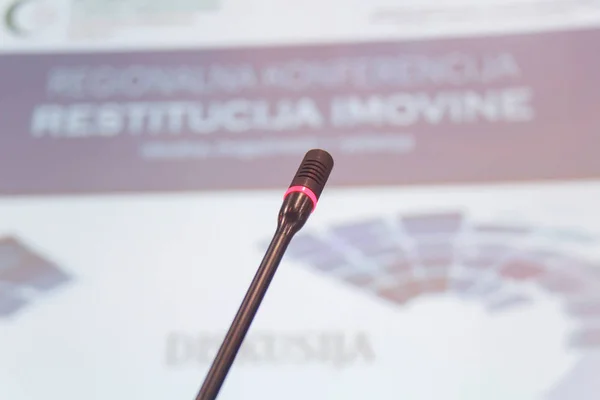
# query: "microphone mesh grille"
[[314, 171]]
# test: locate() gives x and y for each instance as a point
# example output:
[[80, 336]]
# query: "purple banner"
[[464, 110]]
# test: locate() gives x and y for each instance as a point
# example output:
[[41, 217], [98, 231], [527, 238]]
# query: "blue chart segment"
[[404, 259], [25, 276]]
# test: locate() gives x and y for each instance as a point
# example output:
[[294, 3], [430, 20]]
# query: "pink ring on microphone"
[[306, 191]]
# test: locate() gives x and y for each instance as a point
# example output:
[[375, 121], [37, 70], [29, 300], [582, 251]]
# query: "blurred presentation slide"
[[145, 147]]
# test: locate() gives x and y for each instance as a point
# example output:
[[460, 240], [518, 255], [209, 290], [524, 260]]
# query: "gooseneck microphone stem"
[[299, 202], [245, 315]]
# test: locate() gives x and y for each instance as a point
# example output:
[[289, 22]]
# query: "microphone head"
[[313, 172]]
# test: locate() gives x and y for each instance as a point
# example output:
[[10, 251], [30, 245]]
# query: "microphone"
[[299, 201]]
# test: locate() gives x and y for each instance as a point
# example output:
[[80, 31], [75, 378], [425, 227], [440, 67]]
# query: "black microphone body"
[[299, 202]]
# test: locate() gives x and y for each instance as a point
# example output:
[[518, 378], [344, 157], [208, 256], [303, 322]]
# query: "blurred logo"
[[25, 277], [26, 18], [96, 18]]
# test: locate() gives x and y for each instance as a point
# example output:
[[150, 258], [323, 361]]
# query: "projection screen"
[[145, 148]]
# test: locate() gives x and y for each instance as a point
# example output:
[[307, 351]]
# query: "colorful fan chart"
[[404, 259]]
